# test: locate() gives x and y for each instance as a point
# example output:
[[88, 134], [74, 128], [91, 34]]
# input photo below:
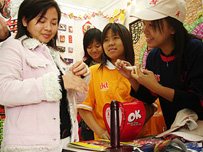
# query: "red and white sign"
[[131, 119]]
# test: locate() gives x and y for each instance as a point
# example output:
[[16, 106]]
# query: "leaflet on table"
[[98, 145]]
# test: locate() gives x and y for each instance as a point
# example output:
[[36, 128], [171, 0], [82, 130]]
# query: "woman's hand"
[[144, 77], [80, 69], [89, 119], [150, 81], [3, 29], [120, 66], [104, 135], [72, 81]]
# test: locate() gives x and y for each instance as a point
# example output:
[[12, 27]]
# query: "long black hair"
[[126, 38], [91, 35], [181, 37], [29, 9]]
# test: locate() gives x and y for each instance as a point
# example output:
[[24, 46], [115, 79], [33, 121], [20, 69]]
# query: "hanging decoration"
[[15, 4], [118, 15]]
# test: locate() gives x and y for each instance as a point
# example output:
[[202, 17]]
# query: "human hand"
[[72, 81], [121, 67], [145, 77], [104, 135], [80, 69], [3, 29]]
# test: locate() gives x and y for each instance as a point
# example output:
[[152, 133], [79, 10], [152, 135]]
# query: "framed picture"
[[62, 27], [62, 38], [88, 25], [61, 48], [70, 39], [68, 60], [70, 50], [70, 29]]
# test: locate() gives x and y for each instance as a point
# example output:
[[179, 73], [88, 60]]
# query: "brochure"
[[95, 145]]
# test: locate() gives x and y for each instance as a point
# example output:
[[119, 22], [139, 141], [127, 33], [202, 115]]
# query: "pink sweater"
[[30, 92]]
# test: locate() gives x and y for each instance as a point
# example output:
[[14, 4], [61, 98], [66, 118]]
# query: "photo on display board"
[[62, 27], [70, 29], [88, 25], [68, 60], [70, 50], [62, 38], [70, 39], [61, 48]]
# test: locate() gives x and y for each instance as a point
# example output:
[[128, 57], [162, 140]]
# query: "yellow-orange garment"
[[105, 85]]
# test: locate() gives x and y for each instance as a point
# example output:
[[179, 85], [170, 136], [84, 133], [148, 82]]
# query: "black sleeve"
[[191, 100], [144, 95], [193, 94]]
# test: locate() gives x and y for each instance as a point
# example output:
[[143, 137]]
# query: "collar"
[[168, 58], [30, 43], [93, 62], [109, 65]]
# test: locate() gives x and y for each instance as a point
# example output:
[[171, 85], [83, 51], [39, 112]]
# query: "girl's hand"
[[104, 135], [145, 77], [88, 117], [120, 66], [80, 69], [3, 29], [72, 81]]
